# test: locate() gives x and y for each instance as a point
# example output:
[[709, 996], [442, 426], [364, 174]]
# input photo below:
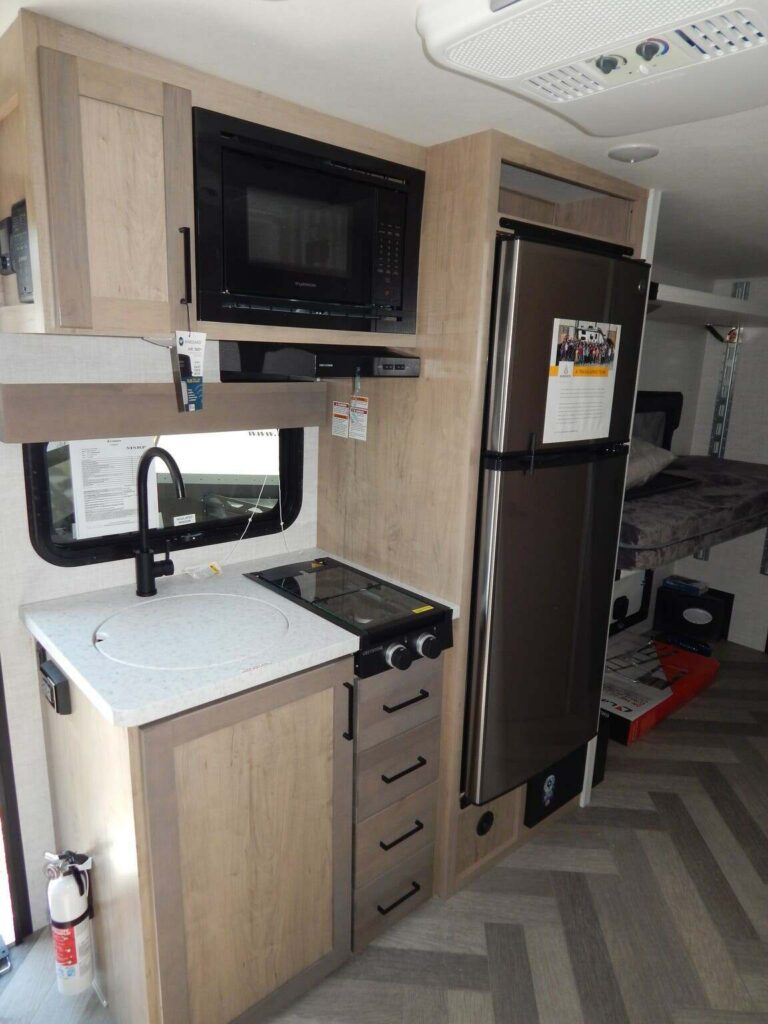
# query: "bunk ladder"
[[724, 403]]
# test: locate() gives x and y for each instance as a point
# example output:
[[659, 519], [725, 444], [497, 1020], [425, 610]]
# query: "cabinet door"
[[118, 162], [249, 805]]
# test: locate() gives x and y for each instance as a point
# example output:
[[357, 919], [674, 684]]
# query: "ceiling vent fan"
[[611, 68]]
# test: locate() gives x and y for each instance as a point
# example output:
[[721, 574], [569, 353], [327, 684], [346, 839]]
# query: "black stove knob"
[[428, 646], [398, 656]]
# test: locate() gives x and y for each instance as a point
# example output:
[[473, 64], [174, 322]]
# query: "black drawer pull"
[[422, 695], [350, 733], [415, 887], [420, 762], [419, 825]]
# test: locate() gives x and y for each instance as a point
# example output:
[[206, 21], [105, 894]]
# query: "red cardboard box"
[[646, 680]]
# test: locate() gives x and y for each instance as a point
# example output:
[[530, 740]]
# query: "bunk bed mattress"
[[730, 499]]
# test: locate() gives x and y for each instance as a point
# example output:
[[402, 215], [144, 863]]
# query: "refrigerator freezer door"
[[537, 283], [546, 560]]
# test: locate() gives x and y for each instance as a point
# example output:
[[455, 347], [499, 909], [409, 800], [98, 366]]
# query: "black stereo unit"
[[256, 361]]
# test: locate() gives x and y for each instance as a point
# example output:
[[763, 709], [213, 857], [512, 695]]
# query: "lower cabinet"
[[222, 845], [249, 806], [225, 880]]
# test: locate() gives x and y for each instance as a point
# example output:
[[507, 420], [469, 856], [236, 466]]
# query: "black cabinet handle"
[[422, 695], [419, 825], [350, 733], [187, 236], [420, 762], [415, 887]]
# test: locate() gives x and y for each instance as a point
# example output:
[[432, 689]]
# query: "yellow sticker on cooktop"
[[423, 608]]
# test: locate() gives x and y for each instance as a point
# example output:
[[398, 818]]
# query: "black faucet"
[[147, 569]]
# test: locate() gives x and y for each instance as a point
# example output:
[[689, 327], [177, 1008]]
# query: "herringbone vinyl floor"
[[649, 907]]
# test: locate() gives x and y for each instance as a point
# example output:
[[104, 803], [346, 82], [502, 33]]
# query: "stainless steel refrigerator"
[[567, 325]]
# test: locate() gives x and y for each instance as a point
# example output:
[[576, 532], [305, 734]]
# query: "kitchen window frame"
[[113, 547]]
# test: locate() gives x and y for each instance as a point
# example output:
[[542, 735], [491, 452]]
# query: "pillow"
[[645, 461]]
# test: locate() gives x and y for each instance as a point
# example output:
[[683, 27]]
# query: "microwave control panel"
[[388, 259]]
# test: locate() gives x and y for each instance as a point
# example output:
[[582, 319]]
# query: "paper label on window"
[[582, 378], [340, 419], [358, 418], [104, 485], [185, 520]]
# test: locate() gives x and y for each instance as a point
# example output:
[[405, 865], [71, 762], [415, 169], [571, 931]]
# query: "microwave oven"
[[291, 231]]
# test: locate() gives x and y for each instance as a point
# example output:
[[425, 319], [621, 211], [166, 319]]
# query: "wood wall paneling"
[[475, 852], [605, 216], [83, 411], [60, 111], [516, 204]]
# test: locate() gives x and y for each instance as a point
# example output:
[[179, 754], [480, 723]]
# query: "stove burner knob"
[[428, 646], [398, 656]]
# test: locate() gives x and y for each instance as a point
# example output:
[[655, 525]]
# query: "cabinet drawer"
[[394, 702], [394, 769], [393, 835], [389, 898]]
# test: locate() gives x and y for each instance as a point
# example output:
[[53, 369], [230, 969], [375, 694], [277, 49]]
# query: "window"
[[81, 495]]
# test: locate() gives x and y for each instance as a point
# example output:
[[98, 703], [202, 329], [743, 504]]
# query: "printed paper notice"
[[582, 377], [104, 485], [358, 418], [340, 419]]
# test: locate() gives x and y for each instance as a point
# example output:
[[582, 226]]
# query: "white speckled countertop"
[[281, 638], [130, 673]]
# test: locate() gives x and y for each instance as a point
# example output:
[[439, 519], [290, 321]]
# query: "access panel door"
[[543, 586]]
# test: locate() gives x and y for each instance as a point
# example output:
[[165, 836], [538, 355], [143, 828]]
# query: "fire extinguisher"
[[71, 908]]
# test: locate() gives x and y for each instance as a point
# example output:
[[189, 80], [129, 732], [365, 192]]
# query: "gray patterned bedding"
[[729, 499]]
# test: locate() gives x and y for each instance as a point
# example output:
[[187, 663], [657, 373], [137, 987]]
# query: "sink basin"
[[189, 631]]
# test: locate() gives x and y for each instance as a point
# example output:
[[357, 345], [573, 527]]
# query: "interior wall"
[[27, 577], [673, 357], [735, 565]]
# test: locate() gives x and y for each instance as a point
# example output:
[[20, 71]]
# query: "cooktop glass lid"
[[348, 595]]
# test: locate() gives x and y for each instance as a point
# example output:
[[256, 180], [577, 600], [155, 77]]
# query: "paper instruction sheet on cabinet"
[[358, 418], [340, 419], [104, 485], [582, 377]]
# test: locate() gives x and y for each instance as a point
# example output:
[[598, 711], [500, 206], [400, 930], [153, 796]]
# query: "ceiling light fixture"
[[633, 153]]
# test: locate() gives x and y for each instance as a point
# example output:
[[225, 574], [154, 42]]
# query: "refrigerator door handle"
[[531, 455]]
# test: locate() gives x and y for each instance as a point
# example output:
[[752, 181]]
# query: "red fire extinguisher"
[[71, 909]]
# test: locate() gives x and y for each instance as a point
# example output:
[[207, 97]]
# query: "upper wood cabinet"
[[118, 168]]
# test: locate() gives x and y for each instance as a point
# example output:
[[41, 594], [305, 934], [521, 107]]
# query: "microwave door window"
[[296, 234], [289, 231]]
